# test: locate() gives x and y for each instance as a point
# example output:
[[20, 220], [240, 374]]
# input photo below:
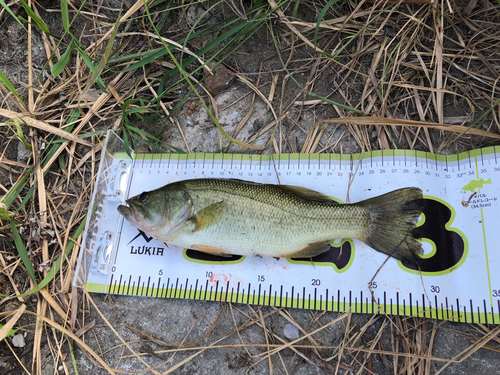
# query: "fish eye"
[[143, 196]]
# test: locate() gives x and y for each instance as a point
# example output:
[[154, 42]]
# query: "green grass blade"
[[51, 147], [216, 42], [166, 14], [138, 110], [193, 27], [156, 146], [243, 30], [86, 59], [11, 332], [157, 53], [392, 7], [320, 18], [128, 145], [20, 133], [187, 95], [65, 15], [128, 127], [149, 58], [73, 359], [473, 124], [104, 59], [62, 163], [139, 55], [5, 81], [6, 7], [25, 200], [57, 264], [5, 214], [295, 10], [14, 192], [158, 2], [343, 106], [227, 136], [21, 250], [302, 88], [61, 64], [41, 25], [150, 136]]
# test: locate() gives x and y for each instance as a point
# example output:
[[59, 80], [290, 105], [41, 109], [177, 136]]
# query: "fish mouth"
[[131, 214], [125, 211]]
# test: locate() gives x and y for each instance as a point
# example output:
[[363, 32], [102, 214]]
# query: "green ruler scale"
[[459, 228]]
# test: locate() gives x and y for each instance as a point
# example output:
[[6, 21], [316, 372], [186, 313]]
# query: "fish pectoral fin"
[[207, 216], [212, 250], [309, 194], [311, 250]]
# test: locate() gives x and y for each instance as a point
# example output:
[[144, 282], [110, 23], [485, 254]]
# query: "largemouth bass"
[[223, 217]]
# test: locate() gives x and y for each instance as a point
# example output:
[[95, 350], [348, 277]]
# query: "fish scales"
[[268, 220]]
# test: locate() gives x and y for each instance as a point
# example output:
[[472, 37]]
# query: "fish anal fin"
[[309, 194], [207, 216], [311, 250], [212, 250]]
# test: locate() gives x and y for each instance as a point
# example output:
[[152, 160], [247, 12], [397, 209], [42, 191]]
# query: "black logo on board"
[[147, 238], [145, 250]]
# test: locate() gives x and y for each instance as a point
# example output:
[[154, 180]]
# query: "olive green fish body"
[[245, 218], [264, 220]]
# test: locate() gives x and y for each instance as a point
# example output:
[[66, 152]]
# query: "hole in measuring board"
[[200, 256], [339, 255], [427, 247]]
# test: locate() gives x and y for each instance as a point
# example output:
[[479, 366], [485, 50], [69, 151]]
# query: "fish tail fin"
[[392, 222], [489, 181]]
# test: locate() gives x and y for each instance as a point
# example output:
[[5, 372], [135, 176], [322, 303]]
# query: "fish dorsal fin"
[[311, 250], [207, 216], [309, 194]]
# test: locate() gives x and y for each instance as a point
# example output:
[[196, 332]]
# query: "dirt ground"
[[433, 63]]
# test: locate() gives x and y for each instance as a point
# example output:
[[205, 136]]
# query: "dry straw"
[[373, 76]]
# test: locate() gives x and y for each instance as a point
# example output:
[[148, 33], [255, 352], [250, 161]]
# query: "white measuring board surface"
[[460, 230]]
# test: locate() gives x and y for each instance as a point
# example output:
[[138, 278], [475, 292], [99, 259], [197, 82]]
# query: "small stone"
[[18, 341], [11, 306], [194, 13], [23, 154], [92, 95], [291, 332], [220, 80]]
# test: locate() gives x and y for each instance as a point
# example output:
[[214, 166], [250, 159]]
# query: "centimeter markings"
[[302, 296], [408, 159], [298, 297]]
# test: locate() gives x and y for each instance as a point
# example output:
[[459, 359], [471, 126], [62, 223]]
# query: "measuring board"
[[460, 229]]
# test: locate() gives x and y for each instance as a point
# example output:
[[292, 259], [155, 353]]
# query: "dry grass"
[[421, 76]]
